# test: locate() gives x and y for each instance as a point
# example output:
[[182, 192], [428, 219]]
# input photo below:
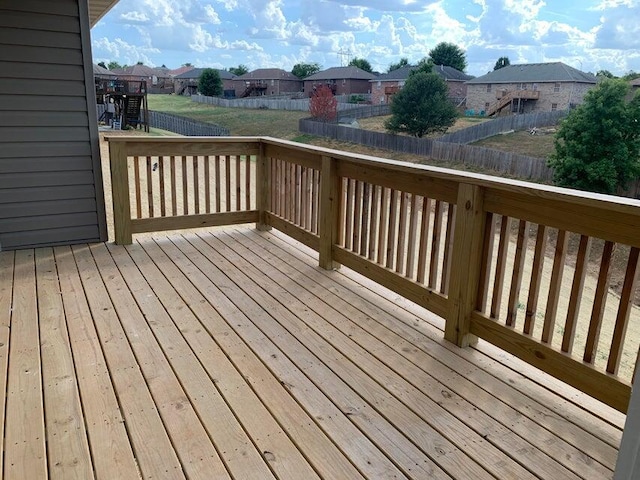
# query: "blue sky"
[[587, 34]]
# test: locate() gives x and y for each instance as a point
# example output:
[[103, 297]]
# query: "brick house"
[[341, 81], [527, 88], [266, 81], [385, 86], [186, 83], [158, 79]]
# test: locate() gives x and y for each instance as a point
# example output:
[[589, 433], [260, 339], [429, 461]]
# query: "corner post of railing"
[[466, 264], [329, 212], [120, 192], [263, 189]]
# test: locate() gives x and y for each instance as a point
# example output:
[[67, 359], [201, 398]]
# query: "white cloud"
[[134, 17], [212, 15]]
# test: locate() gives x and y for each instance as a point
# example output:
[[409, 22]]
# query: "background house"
[[187, 83], [266, 81], [386, 85], [526, 88], [341, 81], [158, 79]]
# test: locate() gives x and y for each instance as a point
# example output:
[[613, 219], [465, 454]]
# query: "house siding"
[[50, 176]]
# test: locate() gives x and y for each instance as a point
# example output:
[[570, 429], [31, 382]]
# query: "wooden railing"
[[547, 274]]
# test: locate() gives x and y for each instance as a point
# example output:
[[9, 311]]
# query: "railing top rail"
[[179, 139]]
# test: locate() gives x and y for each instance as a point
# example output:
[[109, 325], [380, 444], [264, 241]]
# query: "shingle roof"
[[268, 74], [100, 71], [339, 73], [138, 70], [447, 73], [536, 72], [635, 82], [180, 70], [196, 72]]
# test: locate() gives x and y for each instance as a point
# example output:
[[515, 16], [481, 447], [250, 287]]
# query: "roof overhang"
[[98, 9]]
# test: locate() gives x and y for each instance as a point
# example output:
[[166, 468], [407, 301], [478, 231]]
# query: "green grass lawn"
[[272, 123]]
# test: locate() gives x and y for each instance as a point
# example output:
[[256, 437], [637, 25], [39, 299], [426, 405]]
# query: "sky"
[[590, 35]]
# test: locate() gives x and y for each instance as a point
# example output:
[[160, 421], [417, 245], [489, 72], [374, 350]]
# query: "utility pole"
[[344, 54]]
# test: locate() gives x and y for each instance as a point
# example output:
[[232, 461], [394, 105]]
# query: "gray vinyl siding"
[[50, 176]]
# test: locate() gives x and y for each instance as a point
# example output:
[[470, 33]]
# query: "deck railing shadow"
[[523, 266]]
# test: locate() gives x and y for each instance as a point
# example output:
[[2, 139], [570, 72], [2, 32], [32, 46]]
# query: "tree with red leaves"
[[323, 105]]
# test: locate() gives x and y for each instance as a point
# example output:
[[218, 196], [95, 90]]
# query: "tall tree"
[[449, 54], [404, 61], [425, 66], [501, 63], [303, 70], [605, 73], [102, 64], [209, 83], [323, 105], [113, 65], [597, 147], [361, 63], [239, 70], [422, 106]]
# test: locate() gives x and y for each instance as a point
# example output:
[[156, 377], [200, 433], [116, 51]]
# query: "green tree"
[[361, 63], [404, 61], [422, 106], [449, 54], [605, 73], [424, 66], [501, 63], [188, 64], [102, 64], [113, 65], [303, 70], [209, 83], [597, 146], [631, 75], [239, 70]]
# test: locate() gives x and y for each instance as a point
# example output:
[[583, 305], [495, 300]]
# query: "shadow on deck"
[[229, 354]]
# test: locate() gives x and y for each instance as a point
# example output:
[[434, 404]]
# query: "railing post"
[[466, 264], [120, 192], [263, 189], [329, 212]]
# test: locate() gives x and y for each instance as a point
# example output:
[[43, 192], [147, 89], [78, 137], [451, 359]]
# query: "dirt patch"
[[376, 124], [539, 145]]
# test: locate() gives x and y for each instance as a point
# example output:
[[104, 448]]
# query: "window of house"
[[344, 81], [488, 87], [556, 87], [487, 105], [273, 82], [554, 107], [523, 86]]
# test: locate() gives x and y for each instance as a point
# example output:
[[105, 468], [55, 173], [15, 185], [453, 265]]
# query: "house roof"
[[100, 71], [138, 70], [267, 74], [339, 73], [635, 83], [447, 73], [98, 9], [180, 70], [536, 72], [196, 72]]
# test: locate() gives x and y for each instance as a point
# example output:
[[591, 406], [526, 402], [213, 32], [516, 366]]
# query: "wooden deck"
[[228, 354]]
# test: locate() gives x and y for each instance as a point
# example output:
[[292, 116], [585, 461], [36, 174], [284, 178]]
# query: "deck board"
[[227, 353]]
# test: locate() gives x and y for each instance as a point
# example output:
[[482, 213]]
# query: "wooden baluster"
[[185, 188], [163, 202], [435, 244], [315, 200], [238, 185], [383, 225], [366, 212], [555, 285], [286, 171], [121, 199], [424, 240], [411, 244], [373, 227], [501, 265], [516, 276], [599, 301], [402, 234], [342, 212], [150, 199], [247, 182], [393, 226], [137, 186], [227, 180], [207, 184], [174, 188], [487, 257], [297, 211], [329, 212], [536, 278], [448, 248], [357, 216], [348, 234], [576, 293], [218, 184], [304, 203], [196, 185], [275, 187], [264, 188], [624, 310]]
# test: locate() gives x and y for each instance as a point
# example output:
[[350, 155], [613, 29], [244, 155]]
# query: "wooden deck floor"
[[229, 354]]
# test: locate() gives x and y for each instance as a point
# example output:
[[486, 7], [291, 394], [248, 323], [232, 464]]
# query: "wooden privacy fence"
[[547, 274], [280, 102]]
